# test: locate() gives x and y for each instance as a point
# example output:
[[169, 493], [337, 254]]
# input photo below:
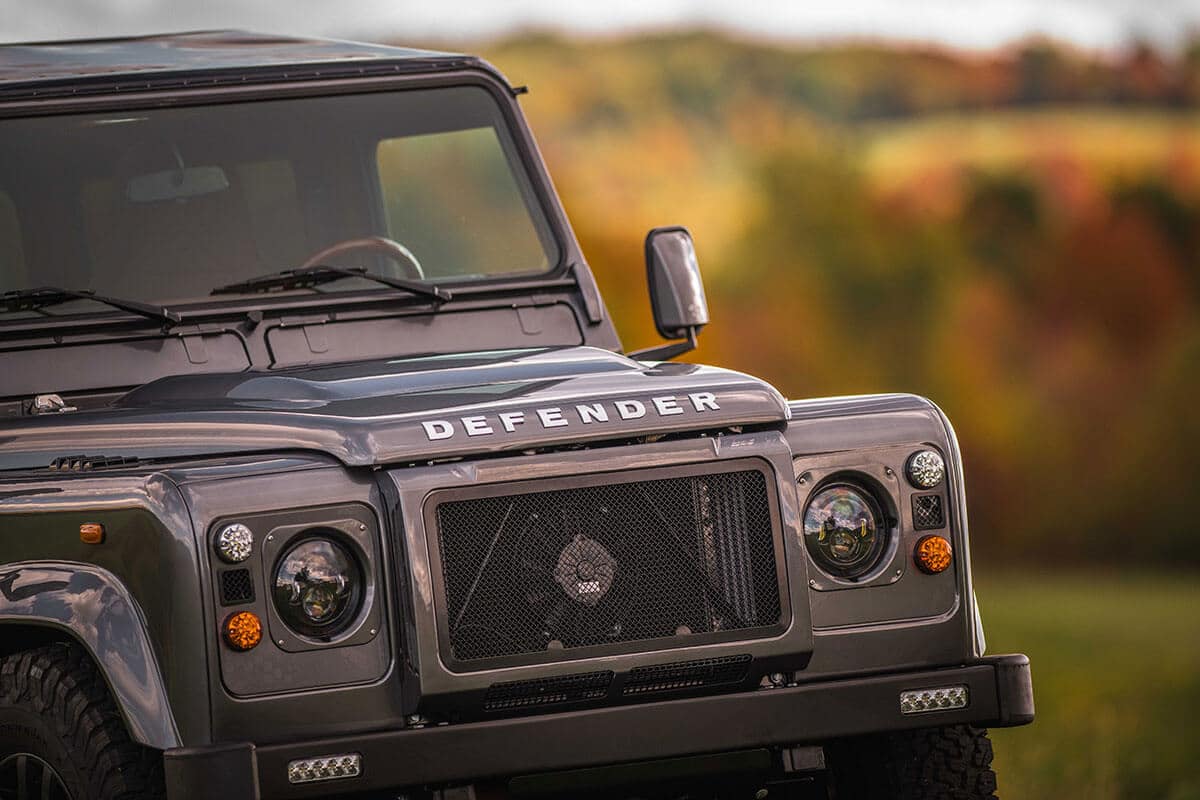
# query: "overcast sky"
[[965, 23]]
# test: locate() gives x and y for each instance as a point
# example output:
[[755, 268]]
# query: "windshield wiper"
[[44, 296], [308, 277]]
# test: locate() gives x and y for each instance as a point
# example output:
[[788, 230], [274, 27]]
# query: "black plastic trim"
[[1014, 686], [648, 254], [182, 80], [228, 771]]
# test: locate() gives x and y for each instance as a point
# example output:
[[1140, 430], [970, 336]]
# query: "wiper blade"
[[307, 277], [44, 296]]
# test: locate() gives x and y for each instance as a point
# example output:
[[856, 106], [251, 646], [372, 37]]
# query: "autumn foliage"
[[1014, 235]]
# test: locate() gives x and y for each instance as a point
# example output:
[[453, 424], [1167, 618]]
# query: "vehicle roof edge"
[[204, 59]]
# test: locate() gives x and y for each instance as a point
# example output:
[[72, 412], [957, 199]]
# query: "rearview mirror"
[[676, 290], [176, 184]]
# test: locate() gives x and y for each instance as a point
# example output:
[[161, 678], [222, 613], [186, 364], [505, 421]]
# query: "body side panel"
[[856, 426], [303, 489], [93, 608], [145, 574]]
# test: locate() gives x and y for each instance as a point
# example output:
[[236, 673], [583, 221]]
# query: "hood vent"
[[90, 463]]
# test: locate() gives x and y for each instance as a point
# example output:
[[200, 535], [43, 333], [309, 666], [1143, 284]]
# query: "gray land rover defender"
[[323, 471]]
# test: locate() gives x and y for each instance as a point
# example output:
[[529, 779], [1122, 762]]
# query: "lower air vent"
[[236, 587], [548, 691], [927, 511], [687, 675]]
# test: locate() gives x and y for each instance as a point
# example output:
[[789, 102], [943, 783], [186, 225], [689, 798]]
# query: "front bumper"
[[1000, 691]]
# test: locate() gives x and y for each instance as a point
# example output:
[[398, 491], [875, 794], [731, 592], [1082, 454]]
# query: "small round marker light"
[[925, 469], [235, 543], [91, 533], [243, 631], [933, 554]]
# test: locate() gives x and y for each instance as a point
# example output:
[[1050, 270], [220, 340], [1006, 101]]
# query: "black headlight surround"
[[344, 619], [885, 528]]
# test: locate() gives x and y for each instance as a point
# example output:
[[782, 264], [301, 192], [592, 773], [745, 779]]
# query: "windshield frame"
[[477, 74]]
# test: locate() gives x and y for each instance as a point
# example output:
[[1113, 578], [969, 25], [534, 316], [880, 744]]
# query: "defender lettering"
[[558, 417]]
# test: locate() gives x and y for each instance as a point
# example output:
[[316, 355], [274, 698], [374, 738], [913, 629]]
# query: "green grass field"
[[1116, 675]]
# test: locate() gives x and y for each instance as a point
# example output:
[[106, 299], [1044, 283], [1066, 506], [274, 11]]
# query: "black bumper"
[[1000, 691]]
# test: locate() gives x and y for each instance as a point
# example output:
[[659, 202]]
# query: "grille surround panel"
[[687, 555]]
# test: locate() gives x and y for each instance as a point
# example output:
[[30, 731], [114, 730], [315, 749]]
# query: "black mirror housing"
[[676, 289], [676, 292]]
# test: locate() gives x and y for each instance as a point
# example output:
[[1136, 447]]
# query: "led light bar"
[[940, 699], [325, 768]]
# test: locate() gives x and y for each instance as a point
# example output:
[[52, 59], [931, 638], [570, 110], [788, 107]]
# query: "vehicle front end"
[[399, 516], [576, 615]]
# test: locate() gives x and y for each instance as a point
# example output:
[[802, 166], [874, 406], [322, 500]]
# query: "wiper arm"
[[36, 299], [307, 277]]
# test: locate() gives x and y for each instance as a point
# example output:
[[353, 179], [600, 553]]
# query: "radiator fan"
[[585, 570], [576, 579]]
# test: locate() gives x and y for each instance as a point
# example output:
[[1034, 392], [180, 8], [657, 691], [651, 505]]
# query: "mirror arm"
[[665, 352], [591, 297]]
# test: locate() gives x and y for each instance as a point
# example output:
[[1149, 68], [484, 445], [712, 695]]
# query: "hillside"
[[1011, 234]]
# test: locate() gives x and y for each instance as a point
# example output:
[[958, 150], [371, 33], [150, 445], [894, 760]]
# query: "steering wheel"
[[373, 244]]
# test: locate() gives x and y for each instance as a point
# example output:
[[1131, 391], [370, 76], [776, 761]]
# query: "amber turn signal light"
[[933, 554], [91, 533], [243, 631]]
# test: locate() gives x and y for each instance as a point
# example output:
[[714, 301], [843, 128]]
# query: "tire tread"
[[949, 763], [60, 683]]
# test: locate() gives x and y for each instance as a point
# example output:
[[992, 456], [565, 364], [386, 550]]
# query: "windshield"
[[165, 205]]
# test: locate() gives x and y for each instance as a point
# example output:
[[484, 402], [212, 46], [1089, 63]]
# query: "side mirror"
[[676, 291]]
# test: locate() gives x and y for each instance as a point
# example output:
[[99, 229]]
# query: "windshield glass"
[[167, 204]]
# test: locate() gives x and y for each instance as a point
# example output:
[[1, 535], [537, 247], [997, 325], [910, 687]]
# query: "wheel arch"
[[46, 602]]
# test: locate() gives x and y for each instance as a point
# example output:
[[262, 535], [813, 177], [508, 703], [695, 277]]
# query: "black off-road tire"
[[55, 706], [951, 763]]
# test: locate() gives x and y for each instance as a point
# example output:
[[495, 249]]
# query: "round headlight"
[[845, 530], [318, 588]]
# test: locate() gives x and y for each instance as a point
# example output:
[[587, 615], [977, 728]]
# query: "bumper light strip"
[[325, 768], [942, 698]]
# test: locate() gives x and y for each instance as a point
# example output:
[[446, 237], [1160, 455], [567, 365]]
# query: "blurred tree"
[[1003, 220], [1035, 273]]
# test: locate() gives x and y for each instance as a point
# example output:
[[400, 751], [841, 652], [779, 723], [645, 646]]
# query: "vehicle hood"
[[411, 409]]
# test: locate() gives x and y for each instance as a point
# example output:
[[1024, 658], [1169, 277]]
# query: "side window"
[[13, 273], [453, 200]]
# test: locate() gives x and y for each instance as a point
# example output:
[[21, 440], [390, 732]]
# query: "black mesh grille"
[[610, 564], [548, 691], [236, 587], [687, 675], [927, 511]]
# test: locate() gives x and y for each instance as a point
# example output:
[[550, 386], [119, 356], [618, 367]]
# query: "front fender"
[[91, 605]]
